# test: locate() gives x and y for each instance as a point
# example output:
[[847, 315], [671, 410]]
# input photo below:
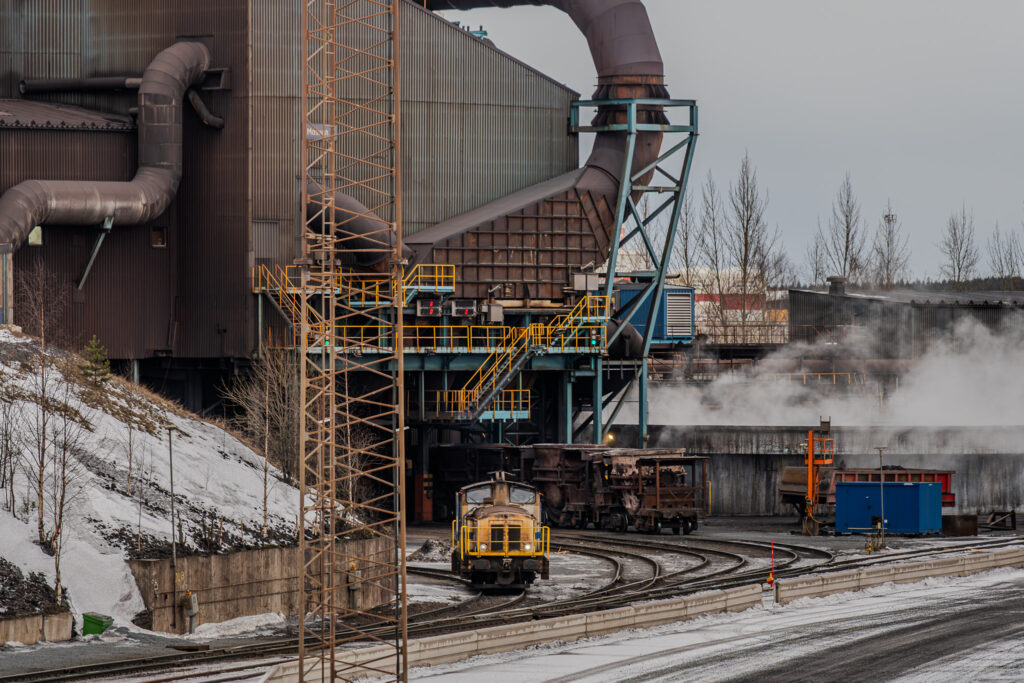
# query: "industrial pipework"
[[629, 66], [142, 199]]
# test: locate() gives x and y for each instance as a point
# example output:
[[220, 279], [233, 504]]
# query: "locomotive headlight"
[[528, 546], [483, 547]]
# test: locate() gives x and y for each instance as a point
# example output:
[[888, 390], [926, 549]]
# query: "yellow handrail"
[[481, 541]]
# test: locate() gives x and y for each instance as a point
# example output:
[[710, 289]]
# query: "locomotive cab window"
[[521, 496], [478, 494]]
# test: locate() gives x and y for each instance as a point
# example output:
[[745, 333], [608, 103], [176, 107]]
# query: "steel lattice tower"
[[353, 469]]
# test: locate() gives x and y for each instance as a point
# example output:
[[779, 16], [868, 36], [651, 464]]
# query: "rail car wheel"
[[621, 523], [689, 526], [655, 527]]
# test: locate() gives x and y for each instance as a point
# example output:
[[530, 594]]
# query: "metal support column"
[[567, 435], [641, 408], [597, 400], [352, 473], [627, 214]]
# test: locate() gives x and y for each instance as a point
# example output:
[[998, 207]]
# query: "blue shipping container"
[[910, 508]]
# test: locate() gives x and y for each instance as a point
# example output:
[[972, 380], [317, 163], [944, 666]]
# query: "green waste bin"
[[95, 623]]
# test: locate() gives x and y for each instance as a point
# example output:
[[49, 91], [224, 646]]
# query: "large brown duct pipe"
[[149, 193], [628, 63], [362, 234]]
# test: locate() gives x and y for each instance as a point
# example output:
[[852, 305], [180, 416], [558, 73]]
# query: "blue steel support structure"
[[628, 215]]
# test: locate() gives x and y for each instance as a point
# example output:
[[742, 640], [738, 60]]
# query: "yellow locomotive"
[[497, 538]]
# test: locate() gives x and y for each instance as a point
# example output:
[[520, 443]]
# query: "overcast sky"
[[922, 101]]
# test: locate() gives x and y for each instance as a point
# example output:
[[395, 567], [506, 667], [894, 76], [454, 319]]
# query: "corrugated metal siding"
[[892, 329], [477, 124], [40, 39], [126, 300], [275, 172], [207, 308]]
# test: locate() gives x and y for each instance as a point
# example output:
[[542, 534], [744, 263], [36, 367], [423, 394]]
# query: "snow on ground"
[[215, 476], [936, 630], [253, 625], [571, 575]]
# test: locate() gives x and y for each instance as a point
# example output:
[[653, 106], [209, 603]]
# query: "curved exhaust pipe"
[[149, 193], [361, 233], [629, 65]]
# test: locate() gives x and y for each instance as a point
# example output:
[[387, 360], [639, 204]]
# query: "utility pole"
[[881, 491], [174, 544]]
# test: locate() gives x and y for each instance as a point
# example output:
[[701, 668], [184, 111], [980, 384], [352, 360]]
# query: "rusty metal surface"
[[238, 201], [478, 123], [15, 113], [206, 310], [148, 194], [628, 63], [275, 112], [130, 280]]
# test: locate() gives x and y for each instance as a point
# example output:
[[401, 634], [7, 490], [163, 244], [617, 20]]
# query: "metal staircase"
[[485, 396]]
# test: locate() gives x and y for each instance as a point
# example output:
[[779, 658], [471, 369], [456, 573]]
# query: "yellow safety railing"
[[587, 308], [502, 540], [357, 289], [431, 276], [580, 329], [816, 377], [463, 400], [470, 338]]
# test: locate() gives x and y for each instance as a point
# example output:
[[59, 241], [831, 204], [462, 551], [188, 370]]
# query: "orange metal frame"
[[820, 450]]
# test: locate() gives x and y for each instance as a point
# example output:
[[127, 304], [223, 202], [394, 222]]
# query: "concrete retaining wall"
[[455, 647], [49, 628], [788, 590], [243, 583]]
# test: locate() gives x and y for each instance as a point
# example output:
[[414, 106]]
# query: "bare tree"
[[69, 426], [40, 310], [1005, 254], [143, 476], [889, 251], [753, 251], [816, 270], [10, 443], [959, 249], [267, 401], [713, 275], [843, 244], [683, 261]]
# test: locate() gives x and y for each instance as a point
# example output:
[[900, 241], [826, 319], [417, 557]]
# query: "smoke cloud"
[[973, 378]]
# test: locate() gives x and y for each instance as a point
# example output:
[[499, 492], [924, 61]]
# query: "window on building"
[[158, 237]]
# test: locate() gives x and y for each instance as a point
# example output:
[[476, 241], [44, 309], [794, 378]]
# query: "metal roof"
[[912, 296], [47, 116]]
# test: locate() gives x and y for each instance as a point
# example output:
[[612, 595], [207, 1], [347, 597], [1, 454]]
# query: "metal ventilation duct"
[[629, 65], [149, 193]]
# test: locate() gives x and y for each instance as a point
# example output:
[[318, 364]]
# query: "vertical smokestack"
[[837, 285]]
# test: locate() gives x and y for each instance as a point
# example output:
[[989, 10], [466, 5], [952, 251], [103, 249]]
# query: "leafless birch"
[[843, 243], [959, 249], [890, 254], [1005, 254]]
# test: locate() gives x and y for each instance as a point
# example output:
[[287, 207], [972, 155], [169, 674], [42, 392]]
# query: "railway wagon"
[[498, 540], [615, 488], [793, 484]]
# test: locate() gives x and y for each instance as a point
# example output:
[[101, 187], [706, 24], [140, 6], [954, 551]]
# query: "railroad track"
[[615, 592]]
